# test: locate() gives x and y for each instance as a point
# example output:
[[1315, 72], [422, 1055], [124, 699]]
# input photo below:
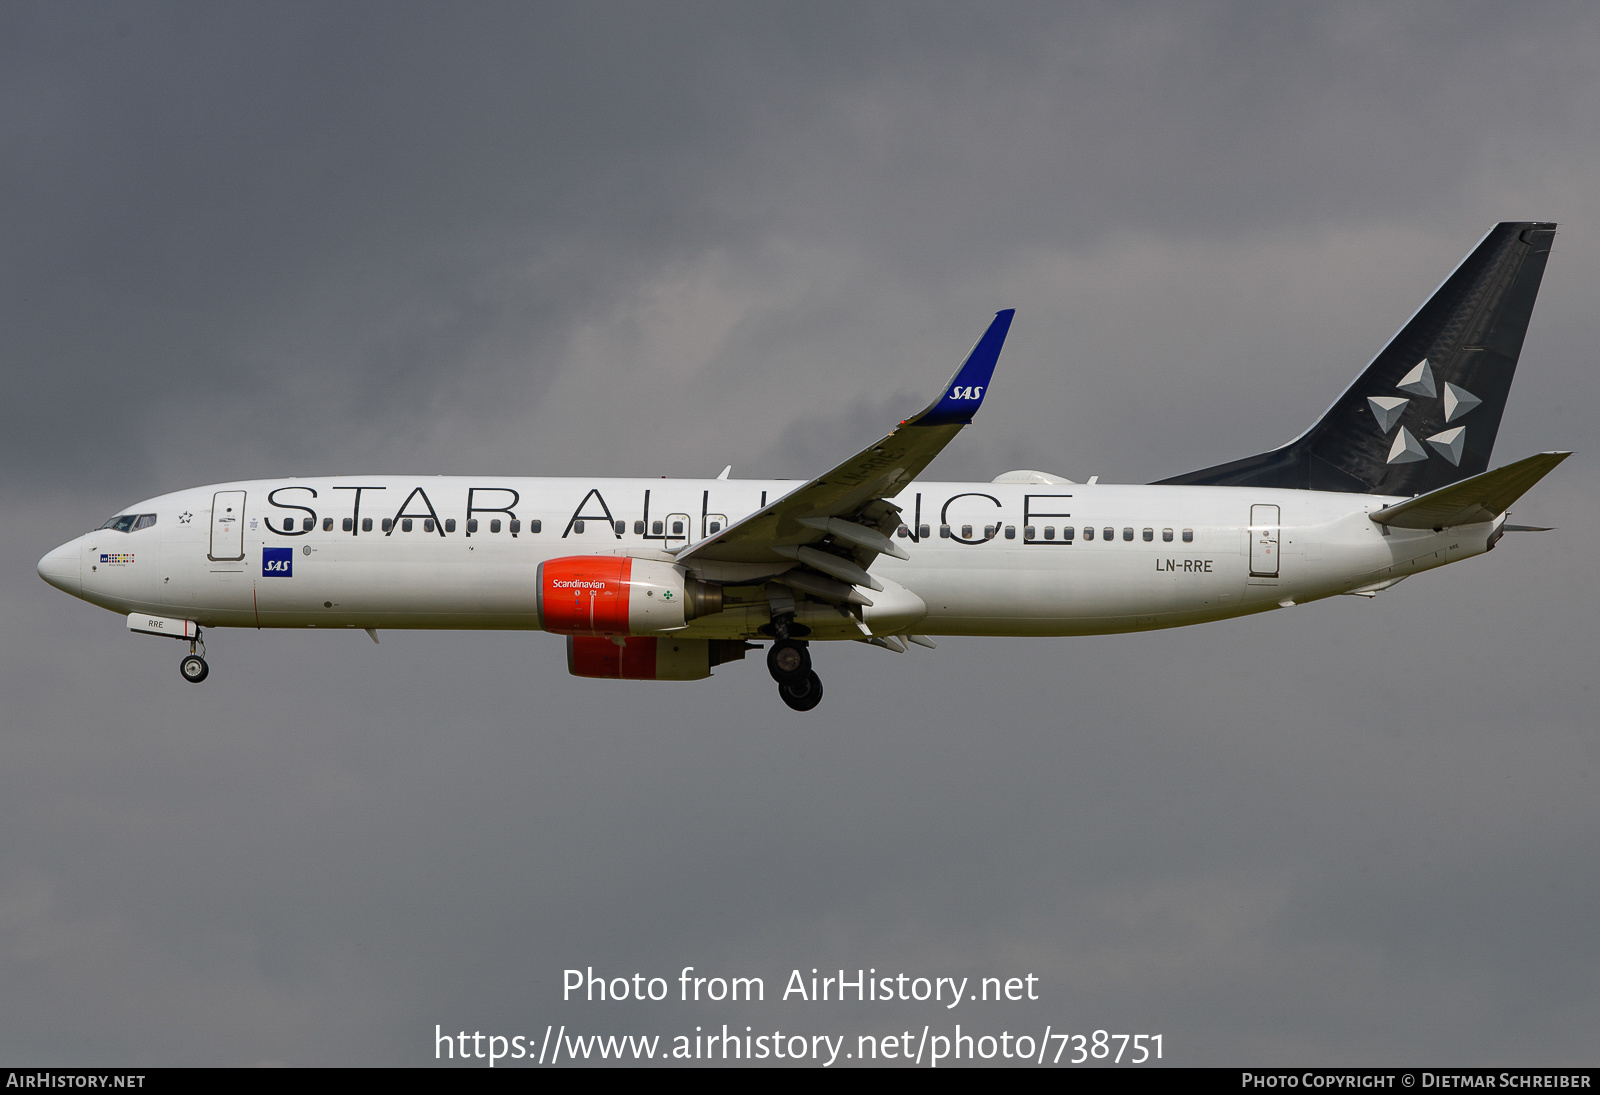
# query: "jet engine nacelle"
[[617, 595], [650, 657]]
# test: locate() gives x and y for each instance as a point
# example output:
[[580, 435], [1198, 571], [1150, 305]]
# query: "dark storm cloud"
[[597, 239], [281, 232]]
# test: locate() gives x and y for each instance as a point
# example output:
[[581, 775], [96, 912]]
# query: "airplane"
[[664, 579]]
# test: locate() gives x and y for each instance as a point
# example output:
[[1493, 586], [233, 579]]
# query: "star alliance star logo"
[[185, 517], [1387, 410]]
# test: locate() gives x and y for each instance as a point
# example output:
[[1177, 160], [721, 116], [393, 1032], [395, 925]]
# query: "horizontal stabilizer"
[[1471, 501]]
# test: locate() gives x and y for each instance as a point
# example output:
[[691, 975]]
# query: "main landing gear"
[[194, 667], [804, 694], [789, 662]]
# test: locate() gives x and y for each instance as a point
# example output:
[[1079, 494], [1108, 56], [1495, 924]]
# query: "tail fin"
[[1425, 413]]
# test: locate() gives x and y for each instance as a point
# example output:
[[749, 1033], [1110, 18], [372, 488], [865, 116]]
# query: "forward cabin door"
[[227, 524], [1264, 528]]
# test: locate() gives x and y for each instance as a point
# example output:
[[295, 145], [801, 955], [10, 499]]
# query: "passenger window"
[[145, 521], [405, 524], [427, 524], [1027, 532], [677, 528], [1108, 534], [388, 524], [1188, 535], [902, 532], [638, 528], [348, 524], [1011, 532], [516, 526], [923, 532], [1149, 535], [366, 525], [472, 525], [307, 524], [1088, 532], [944, 532], [327, 524], [657, 528], [577, 526], [989, 531], [1127, 534], [1066, 533], [714, 528], [1049, 532], [622, 526], [494, 525], [1166, 536], [449, 524], [966, 532], [535, 526]]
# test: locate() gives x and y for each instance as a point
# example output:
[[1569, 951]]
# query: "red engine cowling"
[[649, 657], [617, 595]]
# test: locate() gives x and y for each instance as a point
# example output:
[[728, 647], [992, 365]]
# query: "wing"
[[838, 523]]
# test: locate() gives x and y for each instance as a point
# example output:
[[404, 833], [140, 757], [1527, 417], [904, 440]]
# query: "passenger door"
[[1264, 534], [227, 525]]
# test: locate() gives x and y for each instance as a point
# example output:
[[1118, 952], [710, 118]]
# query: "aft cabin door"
[[227, 524], [1264, 529]]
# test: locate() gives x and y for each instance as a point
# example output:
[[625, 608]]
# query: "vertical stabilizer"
[[1425, 412]]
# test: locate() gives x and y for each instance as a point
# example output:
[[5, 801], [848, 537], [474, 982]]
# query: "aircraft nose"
[[60, 569]]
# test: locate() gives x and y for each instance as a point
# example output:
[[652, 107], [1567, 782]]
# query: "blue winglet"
[[964, 394]]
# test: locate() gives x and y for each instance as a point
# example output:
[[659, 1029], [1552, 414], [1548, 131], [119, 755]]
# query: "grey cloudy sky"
[[249, 240]]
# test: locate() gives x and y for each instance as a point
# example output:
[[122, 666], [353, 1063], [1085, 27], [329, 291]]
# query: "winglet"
[[964, 394]]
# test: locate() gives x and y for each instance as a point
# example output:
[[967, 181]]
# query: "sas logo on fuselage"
[[975, 392], [277, 562], [116, 558]]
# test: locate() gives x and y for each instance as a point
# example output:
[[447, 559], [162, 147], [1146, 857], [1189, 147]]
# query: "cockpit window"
[[145, 521], [123, 523]]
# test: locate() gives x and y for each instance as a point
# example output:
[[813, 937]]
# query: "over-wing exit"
[[665, 579]]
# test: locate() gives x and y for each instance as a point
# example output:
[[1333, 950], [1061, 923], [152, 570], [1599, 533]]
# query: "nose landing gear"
[[194, 667]]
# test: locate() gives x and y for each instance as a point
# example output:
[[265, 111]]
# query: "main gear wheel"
[[804, 694], [788, 661]]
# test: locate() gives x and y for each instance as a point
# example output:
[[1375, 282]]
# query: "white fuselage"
[[1229, 554]]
